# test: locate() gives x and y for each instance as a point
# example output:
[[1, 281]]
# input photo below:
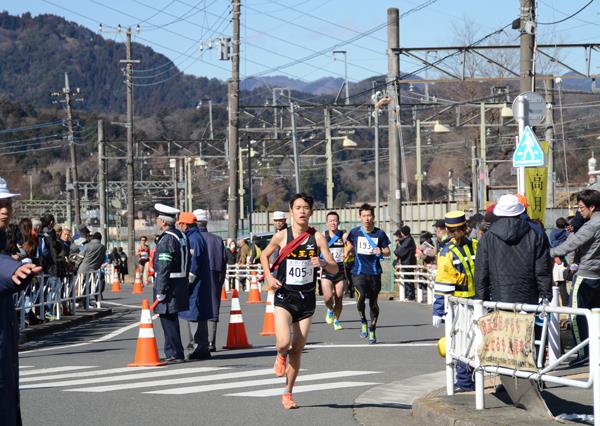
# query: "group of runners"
[[299, 252]]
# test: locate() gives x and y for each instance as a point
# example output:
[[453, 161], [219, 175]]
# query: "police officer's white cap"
[[201, 215], [166, 210], [278, 215], [4, 192]]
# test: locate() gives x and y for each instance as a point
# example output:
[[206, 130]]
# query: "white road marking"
[[83, 374], [306, 388], [55, 369], [120, 378], [265, 382], [345, 302], [21, 367], [121, 304], [180, 381], [366, 345]]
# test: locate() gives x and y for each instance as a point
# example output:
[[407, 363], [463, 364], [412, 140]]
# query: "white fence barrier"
[[463, 337], [420, 277], [238, 274], [55, 296]]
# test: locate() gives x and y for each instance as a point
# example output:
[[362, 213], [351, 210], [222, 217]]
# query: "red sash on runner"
[[289, 247]]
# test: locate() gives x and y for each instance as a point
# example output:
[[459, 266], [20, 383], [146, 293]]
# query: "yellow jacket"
[[456, 269]]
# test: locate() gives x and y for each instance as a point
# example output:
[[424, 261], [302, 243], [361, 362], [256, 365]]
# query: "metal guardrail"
[[56, 296], [422, 279], [463, 337], [236, 274]]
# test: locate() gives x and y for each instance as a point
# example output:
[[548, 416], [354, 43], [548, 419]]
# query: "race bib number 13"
[[299, 272], [363, 246]]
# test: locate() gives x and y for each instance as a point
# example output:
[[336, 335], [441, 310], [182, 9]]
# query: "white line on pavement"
[[366, 345], [121, 304], [179, 381], [265, 382], [305, 388], [83, 374], [345, 303], [55, 369], [120, 378], [25, 366]]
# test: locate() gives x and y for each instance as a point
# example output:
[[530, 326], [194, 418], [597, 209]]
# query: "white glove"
[[191, 278], [436, 321], [574, 267], [161, 297]]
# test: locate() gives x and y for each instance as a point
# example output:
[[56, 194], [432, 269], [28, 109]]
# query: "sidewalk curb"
[[66, 322]]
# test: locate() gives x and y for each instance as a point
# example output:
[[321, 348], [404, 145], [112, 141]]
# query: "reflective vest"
[[456, 269], [184, 250]]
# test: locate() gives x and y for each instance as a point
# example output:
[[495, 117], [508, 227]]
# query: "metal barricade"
[[52, 297], [463, 336], [237, 274], [420, 276]]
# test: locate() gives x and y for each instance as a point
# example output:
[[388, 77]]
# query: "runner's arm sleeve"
[[482, 271]]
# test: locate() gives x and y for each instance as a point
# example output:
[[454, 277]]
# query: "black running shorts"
[[299, 304], [368, 285]]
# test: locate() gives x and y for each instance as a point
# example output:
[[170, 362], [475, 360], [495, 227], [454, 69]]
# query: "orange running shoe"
[[279, 366], [287, 401]]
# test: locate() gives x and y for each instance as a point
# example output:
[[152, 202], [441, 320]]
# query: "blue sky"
[[281, 32]]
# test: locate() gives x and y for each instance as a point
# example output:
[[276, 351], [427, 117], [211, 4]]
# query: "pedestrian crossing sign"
[[529, 152]]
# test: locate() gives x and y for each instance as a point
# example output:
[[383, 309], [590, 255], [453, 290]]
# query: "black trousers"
[[170, 326], [586, 295], [201, 336]]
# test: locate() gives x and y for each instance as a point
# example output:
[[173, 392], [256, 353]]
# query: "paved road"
[[82, 374]]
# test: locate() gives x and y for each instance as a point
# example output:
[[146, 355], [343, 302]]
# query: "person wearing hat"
[[454, 277], [14, 276], [170, 280], [280, 223], [218, 269], [200, 284], [513, 262]]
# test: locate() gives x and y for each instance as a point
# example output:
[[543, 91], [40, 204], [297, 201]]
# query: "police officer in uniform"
[[170, 280], [455, 277]]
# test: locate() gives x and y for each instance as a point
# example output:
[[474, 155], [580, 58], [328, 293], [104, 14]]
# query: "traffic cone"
[[236, 333], [138, 287], [269, 319], [254, 296], [223, 293], [146, 352], [116, 284]]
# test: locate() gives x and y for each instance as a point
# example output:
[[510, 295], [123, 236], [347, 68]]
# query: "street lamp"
[[437, 128], [379, 101], [210, 114], [250, 152]]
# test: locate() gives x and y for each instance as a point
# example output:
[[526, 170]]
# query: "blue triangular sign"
[[529, 152]]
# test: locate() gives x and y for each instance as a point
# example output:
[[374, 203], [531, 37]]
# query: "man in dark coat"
[[200, 282], [13, 276], [513, 260], [406, 254], [170, 280], [218, 269]]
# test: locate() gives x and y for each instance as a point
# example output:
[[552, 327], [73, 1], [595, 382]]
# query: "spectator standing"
[[513, 262], [243, 252], [559, 273], [29, 244], [280, 223], [94, 254], [218, 268], [405, 253], [585, 293], [122, 264], [559, 233], [231, 255]]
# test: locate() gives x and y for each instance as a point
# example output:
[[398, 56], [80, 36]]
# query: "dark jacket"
[[200, 279], [218, 268], [171, 262], [9, 333], [513, 263], [94, 254], [231, 256], [405, 251], [558, 236]]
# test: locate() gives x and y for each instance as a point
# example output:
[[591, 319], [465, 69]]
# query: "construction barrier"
[[238, 274], [420, 277]]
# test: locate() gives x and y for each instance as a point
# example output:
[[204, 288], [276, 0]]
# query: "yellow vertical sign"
[[536, 188]]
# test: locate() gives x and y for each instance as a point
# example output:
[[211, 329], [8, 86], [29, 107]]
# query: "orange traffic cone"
[[146, 352], [223, 293], [269, 319], [254, 296], [138, 287], [116, 284], [236, 333]]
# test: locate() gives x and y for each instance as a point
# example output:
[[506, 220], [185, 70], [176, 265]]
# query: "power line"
[[568, 17]]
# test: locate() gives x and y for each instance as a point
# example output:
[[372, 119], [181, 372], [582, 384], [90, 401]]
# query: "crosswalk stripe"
[[55, 369], [250, 383], [120, 378], [83, 374], [25, 366], [179, 381], [306, 388]]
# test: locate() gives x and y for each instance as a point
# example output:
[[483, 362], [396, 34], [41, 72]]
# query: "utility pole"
[[250, 201], [377, 192], [345, 53], [526, 76], [329, 157], [101, 183], [295, 147], [68, 99], [482, 154], [549, 136], [419, 174], [233, 99], [68, 193], [188, 182], [130, 153], [474, 182], [181, 184], [395, 164]]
